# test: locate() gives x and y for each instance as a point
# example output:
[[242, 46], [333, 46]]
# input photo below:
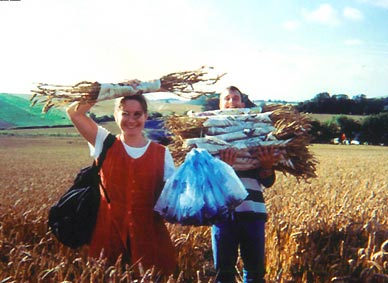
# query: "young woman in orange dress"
[[133, 175]]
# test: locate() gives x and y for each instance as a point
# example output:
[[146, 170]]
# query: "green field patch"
[[17, 112]]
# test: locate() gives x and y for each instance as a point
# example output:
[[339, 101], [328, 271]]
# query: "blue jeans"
[[227, 237]]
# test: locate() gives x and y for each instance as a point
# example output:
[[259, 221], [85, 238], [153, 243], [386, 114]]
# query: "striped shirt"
[[253, 207]]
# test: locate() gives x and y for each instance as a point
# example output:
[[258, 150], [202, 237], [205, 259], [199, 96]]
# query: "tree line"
[[373, 129], [342, 104]]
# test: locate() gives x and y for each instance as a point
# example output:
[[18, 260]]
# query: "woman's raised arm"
[[85, 125]]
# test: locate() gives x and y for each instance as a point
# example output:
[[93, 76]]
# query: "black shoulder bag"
[[73, 218]]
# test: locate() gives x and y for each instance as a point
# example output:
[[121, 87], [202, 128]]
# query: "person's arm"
[[267, 177], [84, 124], [267, 156]]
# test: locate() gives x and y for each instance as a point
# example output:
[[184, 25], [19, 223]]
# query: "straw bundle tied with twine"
[[287, 130], [179, 83]]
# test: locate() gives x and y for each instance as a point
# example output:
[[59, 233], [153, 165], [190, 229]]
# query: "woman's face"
[[130, 117], [230, 99]]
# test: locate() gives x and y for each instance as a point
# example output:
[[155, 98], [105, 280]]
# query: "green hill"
[[16, 112]]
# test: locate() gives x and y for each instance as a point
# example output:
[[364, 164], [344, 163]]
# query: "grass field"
[[16, 112], [327, 117], [332, 229]]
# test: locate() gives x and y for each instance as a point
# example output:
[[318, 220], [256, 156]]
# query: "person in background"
[[343, 138], [246, 227], [133, 175]]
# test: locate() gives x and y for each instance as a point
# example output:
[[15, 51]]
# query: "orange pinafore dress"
[[128, 225]]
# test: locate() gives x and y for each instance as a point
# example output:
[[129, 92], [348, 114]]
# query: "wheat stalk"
[[179, 83], [182, 83]]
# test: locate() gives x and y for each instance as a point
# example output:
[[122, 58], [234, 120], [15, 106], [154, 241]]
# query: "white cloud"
[[353, 42], [352, 14], [378, 3], [325, 15], [291, 25]]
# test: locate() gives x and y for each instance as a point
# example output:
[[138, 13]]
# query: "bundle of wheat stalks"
[[279, 126], [179, 83]]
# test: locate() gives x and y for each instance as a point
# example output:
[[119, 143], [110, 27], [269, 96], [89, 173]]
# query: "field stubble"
[[332, 229]]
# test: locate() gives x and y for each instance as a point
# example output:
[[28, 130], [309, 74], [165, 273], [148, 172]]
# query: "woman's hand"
[[79, 108], [228, 155], [268, 156], [133, 83]]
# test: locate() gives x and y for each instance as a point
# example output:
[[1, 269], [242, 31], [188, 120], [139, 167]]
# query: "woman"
[[133, 175], [245, 231]]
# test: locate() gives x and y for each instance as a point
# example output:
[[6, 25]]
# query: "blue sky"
[[271, 49]]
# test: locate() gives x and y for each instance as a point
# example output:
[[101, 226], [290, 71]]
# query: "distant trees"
[[375, 129], [334, 128], [341, 104], [323, 132], [372, 129], [349, 126]]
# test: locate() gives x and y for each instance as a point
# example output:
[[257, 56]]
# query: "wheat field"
[[332, 229]]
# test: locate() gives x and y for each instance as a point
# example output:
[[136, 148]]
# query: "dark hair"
[[138, 97], [235, 89]]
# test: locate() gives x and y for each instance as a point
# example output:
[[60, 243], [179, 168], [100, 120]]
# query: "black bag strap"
[[108, 142]]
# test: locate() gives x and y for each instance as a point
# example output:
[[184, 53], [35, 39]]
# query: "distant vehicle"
[[335, 141], [355, 142]]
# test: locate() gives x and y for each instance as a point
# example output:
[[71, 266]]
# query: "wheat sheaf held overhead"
[[185, 84]]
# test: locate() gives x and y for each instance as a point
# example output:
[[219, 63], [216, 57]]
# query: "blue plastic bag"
[[204, 190]]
